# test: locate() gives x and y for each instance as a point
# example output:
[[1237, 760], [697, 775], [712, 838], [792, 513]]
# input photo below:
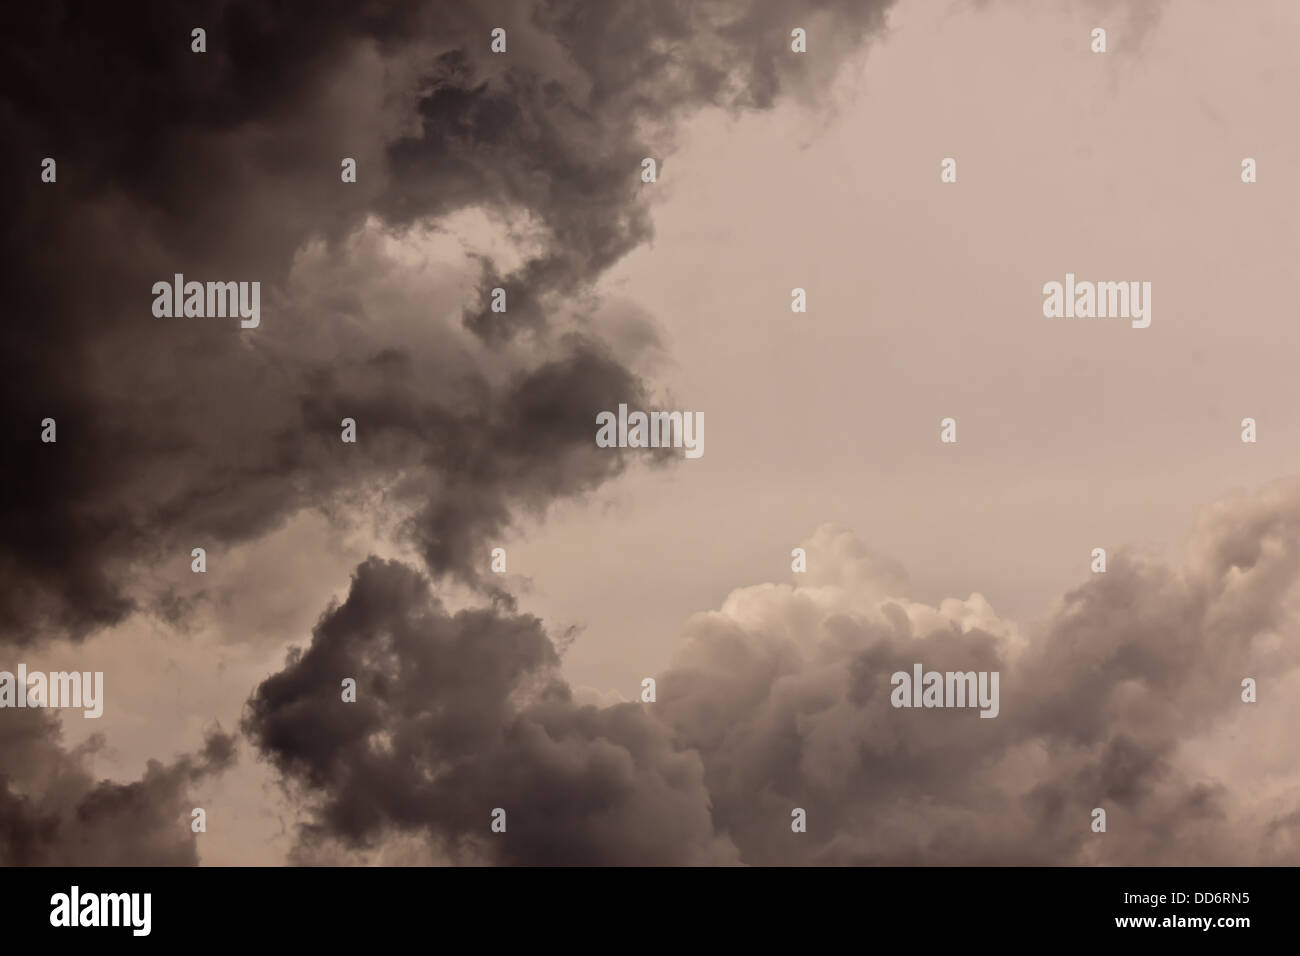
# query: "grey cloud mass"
[[54, 813], [225, 165], [781, 699], [522, 171], [456, 709], [179, 432]]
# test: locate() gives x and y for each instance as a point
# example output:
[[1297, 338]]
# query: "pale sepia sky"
[[925, 302]]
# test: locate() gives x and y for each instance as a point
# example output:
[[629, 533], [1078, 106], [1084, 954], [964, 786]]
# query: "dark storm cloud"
[[221, 166], [459, 714], [782, 700], [54, 813], [174, 433]]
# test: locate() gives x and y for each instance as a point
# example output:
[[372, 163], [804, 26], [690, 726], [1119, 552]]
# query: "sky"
[[523, 690]]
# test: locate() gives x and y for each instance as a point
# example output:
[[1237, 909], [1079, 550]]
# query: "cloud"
[[225, 166], [784, 693], [457, 715], [182, 433], [1119, 698], [176, 433], [54, 813]]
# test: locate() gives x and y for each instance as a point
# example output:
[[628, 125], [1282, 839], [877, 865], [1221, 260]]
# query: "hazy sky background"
[[924, 301]]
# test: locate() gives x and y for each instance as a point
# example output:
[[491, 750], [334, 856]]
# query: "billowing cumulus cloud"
[[781, 699], [457, 715], [785, 694]]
